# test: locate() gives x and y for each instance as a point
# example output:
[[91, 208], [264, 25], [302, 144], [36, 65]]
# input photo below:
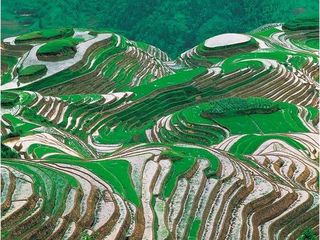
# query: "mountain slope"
[[107, 138]]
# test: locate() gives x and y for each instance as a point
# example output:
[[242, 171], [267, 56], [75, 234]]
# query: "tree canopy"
[[173, 26]]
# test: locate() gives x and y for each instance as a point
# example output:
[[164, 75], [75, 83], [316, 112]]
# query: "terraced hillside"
[[107, 138]]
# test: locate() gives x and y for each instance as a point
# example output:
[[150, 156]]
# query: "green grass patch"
[[143, 46], [241, 106], [9, 99], [250, 143], [313, 113], [254, 115], [194, 229], [182, 160], [32, 70], [304, 23], [180, 77], [45, 34], [7, 152], [308, 234], [268, 32], [7, 64], [312, 43], [18, 126], [117, 173], [63, 47]]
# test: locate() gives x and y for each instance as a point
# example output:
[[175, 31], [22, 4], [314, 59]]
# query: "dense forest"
[[174, 26]]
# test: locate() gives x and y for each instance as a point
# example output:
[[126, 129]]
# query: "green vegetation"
[[7, 152], [194, 229], [86, 236], [108, 171], [249, 143], [123, 142], [252, 114], [183, 160], [9, 99], [173, 26], [7, 64], [32, 70], [59, 47], [45, 34], [19, 126], [313, 43], [305, 23], [234, 106], [308, 234]]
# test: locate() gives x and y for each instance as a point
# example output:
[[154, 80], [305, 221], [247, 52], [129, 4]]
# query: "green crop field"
[[103, 137]]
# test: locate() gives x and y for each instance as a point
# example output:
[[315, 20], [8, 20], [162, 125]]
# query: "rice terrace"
[[109, 138]]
